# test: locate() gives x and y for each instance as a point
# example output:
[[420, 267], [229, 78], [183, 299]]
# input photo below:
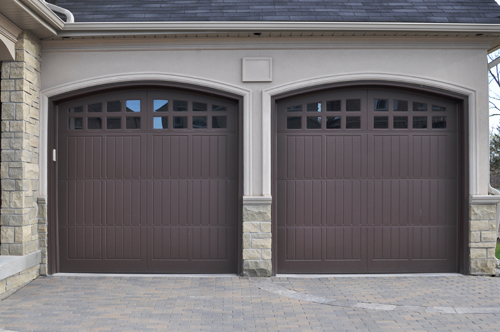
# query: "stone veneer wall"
[[13, 283], [482, 239], [20, 87], [257, 240]]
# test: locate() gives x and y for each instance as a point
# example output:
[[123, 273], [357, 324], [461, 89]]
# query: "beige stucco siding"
[[446, 63]]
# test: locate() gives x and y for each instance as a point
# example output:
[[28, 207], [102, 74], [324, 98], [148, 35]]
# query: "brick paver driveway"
[[103, 303]]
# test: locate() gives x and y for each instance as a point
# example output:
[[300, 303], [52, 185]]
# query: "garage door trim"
[[463, 154], [53, 245]]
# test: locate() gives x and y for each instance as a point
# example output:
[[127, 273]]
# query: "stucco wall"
[[453, 64], [447, 63]]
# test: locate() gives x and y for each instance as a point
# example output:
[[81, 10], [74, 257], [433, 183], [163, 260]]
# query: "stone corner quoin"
[[482, 239], [23, 230], [257, 241]]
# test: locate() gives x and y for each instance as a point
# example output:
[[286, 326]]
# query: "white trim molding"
[[9, 32], [268, 94], [484, 199], [148, 76], [257, 200]]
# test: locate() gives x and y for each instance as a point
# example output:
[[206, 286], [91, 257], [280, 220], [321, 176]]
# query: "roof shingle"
[[452, 11]]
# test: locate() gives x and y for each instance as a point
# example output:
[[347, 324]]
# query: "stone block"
[[23, 234], [251, 227], [266, 254], [5, 70], [7, 234], [257, 213], [488, 236], [483, 245], [5, 97], [490, 252], [17, 199], [265, 227], [246, 241], [482, 267], [31, 246], [16, 249], [261, 236], [42, 213], [475, 236], [8, 111], [6, 85], [478, 253], [251, 254], [257, 268], [16, 126], [3, 283], [8, 185], [482, 212], [479, 225], [44, 270], [261, 243]]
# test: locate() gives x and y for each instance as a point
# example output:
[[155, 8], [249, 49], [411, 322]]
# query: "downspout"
[[69, 16]]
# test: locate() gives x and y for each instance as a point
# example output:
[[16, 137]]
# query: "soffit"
[[32, 16]]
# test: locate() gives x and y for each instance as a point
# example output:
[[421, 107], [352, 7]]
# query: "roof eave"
[[128, 28]]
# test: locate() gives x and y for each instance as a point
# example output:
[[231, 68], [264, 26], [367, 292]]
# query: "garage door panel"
[[170, 243], [148, 182], [394, 172]]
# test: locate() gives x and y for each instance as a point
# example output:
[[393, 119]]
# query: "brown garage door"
[[367, 182], [147, 182]]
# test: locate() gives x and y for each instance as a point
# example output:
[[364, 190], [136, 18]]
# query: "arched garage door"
[[367, 182], [147, 182]]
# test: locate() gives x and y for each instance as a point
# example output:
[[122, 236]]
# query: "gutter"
[[69, 15], [107, 28]]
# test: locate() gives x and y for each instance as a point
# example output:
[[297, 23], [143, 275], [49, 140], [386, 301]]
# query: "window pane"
[[380, 105], [180, 106], [400, 122], [180, 122], [313, 122], [219, 122], [160, 122], [133, 105], [436, 108], [199, 122], [353, 105], [216, 108], [75, 123], [133, 123], [353, 122], [314, 107], [333, 122], [381, 122], [199, 107], [114, 106], [419, 107], [438, 122], [294, 122], [94, 108], [333, 106], [160, 105], [400, 105], [114, 123], [419, 122], [297, 108], [78, 109], [94, 123]]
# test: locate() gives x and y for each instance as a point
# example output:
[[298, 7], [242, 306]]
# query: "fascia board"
[[126, 28]]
